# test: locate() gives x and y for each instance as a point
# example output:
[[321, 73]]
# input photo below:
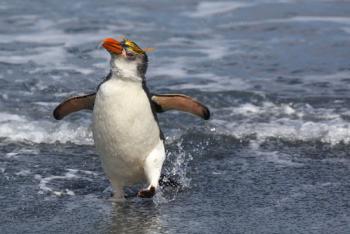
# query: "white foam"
[[178, 68], [219, 50], [53, 54], [17, 152], [43, 185], [214, 83], [86, 172], [46, 57], [169, 67], [214, 47], [215, 52], [207, 9], [301, 19], [46, 31], [69, 175], [327, 19], [202, 50], [21, 129], [214, 8], [23, 173], [281, 159], [285, 121], [338, 76]]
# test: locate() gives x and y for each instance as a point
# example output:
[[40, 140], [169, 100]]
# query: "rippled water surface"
[[274, 158]]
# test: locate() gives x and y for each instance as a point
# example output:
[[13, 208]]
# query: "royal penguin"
[[125, 127]]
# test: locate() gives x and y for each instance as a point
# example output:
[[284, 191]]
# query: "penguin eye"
[[129, 52]]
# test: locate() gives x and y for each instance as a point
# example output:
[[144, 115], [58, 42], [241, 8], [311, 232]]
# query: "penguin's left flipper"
[[180, 102], [74, 104]]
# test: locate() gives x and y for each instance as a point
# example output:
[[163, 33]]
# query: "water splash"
[[176, 169]]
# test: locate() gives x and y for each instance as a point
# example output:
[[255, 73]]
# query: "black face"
[[142, 67]]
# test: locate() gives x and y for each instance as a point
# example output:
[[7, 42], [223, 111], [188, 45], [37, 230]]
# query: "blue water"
[[274, 158]]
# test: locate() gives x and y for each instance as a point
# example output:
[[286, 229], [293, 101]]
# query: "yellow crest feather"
[[133, 46]]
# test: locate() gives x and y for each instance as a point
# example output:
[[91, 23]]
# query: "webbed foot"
[[147, 193]]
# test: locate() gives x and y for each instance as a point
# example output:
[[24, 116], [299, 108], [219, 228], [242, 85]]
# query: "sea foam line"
[[17, 128], [296, 19], [283, 121], [69, 175]]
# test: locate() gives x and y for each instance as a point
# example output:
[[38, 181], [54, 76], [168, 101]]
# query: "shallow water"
[[273, 158]]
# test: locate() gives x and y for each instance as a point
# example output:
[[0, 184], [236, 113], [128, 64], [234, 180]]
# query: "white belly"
[[124, 130]]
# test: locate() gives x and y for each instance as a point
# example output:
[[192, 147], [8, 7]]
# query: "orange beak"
[[112, 46]]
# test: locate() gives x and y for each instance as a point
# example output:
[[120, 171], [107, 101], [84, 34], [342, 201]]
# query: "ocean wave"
[[296, 19], [17, 128], [287, 121], [283, 121], [212, 9], [207, 9]]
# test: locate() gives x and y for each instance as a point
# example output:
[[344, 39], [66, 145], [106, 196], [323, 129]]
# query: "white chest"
[[124, 127]]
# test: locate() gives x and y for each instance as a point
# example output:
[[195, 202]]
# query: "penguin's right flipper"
[[74, 104], [180, 102]]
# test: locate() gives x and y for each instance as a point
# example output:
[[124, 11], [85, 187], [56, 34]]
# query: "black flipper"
[[180, 102], [74, 104]]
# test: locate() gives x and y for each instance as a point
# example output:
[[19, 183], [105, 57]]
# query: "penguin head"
[[128, 60]]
